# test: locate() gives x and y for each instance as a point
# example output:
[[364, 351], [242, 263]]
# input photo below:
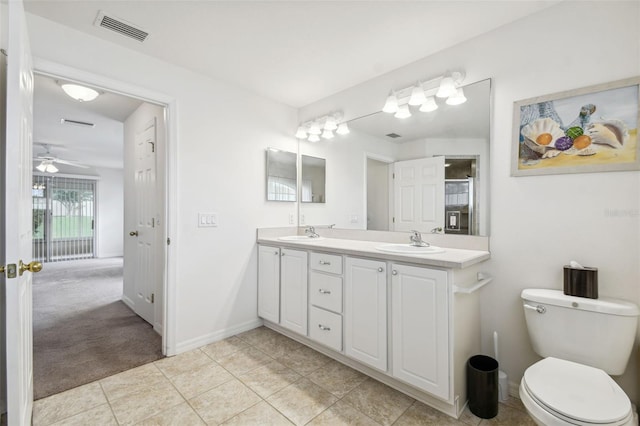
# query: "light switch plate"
[[207, 220]]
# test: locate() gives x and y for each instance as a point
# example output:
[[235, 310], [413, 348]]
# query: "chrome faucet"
[[416, 240], [436, 230], [311, 231]]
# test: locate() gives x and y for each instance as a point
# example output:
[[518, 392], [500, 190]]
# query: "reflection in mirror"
[[360, 170], [313, 173], [281, 175]]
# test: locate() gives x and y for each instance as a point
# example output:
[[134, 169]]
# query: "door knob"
[[31, 267], [133, 233]]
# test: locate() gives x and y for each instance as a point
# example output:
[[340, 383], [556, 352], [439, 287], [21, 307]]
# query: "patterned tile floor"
[[255, 378]]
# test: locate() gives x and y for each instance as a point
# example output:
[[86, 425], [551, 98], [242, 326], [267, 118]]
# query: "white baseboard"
[[129, 303], [218, 335], [514, 389]]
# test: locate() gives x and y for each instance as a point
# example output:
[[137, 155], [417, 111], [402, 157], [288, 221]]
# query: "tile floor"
[[255, 378]]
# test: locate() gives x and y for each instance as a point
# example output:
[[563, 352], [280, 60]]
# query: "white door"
[[17, 211], [365, 312], [419, 194], [145, 222], [420, 339], [269, 283], [293, 290]]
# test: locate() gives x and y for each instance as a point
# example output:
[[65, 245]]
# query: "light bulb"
[[403, 112], [80, 93], [314, 129], [391, 105], [457, 98], [42, 167], [51, 169], [313, 138], [301, 133], [429, 105], [417, 96], [330, 124], [447, 88], [343, 129], [327, 134]]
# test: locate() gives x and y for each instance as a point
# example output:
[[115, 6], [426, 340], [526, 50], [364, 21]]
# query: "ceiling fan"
[[47, 161]]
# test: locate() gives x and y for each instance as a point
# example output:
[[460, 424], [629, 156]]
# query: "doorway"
[[91, 293]]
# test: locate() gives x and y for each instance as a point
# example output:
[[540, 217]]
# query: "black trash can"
[[482, 386]]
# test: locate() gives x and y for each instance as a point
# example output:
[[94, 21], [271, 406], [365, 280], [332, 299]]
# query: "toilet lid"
[[577, 391]]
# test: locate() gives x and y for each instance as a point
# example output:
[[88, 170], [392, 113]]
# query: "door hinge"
[[152, 298], [393, 220], [168, 241], [393, 175]]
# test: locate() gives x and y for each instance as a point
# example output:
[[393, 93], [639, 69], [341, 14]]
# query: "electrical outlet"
[[354, 218], [301, 219], [291, 218]]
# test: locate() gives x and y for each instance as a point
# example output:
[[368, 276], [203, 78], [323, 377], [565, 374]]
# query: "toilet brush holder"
[[581, 282]]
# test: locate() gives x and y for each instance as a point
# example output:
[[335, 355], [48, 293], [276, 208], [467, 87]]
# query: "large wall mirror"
[[440, 160], [282, 175]]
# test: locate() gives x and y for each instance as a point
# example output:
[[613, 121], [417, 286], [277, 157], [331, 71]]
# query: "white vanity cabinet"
[[282, 287], [269, 283], [420, 328], [293, 290], [366, 311]]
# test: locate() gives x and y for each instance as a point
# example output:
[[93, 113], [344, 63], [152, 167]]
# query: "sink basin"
[[299, 238], [409, 249]]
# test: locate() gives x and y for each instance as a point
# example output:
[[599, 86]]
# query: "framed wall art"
[[592, 129]]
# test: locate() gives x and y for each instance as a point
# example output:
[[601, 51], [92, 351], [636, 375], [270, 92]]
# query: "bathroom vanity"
[[410, 321]]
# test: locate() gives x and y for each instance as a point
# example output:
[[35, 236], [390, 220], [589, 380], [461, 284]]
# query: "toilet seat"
[[576, 393]]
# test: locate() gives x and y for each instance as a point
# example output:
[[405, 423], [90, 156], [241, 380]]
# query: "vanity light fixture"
[[79, 93], [325, 127], [422, 94]]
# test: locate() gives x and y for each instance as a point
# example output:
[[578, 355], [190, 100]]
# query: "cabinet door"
[[293, 290], [269, 283], [420, 330], [365, 312]]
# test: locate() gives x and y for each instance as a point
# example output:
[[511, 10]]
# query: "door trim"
[[170, 163]]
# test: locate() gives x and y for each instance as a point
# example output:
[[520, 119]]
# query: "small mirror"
[[281, 175], [313, 179]]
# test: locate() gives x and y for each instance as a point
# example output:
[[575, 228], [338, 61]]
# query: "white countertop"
[[451, 258]]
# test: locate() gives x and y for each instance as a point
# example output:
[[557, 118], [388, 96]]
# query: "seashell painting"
[[611, 132], [594, 128]]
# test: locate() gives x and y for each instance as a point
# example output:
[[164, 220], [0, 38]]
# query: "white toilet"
[[583, 342]]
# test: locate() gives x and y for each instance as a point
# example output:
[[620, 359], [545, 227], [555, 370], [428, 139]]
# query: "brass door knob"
[[133, 233], [31, 267]]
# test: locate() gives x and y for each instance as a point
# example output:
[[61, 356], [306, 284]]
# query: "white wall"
[[110, 216], [540, 223], [222, 132]]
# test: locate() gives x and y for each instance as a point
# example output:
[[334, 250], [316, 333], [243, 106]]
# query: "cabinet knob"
[[282, 254], [275, 252], [324, 327], [394, 272], [323, 291], [380, 269]]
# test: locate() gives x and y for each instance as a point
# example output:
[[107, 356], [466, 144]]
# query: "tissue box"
[[581, 282]]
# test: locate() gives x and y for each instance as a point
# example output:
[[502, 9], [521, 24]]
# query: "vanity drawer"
[[325, 327], [326, 262], [325, 291]]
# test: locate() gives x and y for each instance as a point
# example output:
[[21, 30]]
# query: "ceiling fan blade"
[[69, 163]]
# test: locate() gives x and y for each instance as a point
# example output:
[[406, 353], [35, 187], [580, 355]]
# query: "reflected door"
[[418, 194]]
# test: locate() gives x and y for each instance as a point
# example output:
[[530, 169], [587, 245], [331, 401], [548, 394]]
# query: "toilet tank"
[[596, 332]]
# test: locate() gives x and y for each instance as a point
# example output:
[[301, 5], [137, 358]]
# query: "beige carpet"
[[82, 331]]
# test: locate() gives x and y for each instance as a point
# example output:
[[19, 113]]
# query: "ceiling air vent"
[[393, 135], [76, 122], [120, 26]]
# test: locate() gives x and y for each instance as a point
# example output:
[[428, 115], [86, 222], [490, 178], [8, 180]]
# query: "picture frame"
[[586, 130]]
